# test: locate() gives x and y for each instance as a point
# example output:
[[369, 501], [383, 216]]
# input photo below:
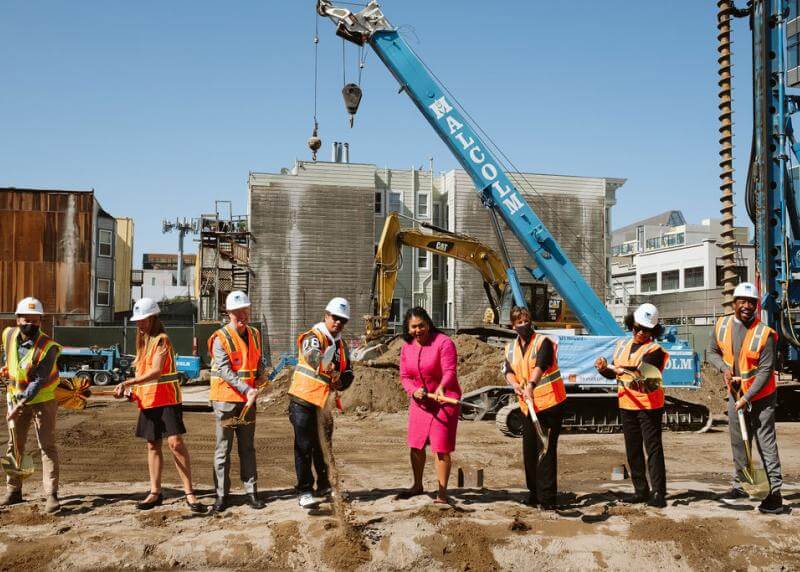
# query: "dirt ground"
[[104, 472]]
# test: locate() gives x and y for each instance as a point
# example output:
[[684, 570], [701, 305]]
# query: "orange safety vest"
[[18, 369], [161, 392], [753, 344], [550, 390], [313, 384], [244, 359], [630, 398]]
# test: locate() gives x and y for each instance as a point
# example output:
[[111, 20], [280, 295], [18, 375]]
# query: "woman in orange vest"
[[156, 389], [641, 403], [531, 368]]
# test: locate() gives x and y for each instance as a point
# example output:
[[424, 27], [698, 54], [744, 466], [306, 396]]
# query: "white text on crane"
[[508, 194]]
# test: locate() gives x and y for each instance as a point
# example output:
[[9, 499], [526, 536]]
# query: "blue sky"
[[163, 107]]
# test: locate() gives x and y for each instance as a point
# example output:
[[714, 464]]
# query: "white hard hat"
[[29, 307], [144, 308], [236, 300], [339, 307], [746, 290], [646, 315]]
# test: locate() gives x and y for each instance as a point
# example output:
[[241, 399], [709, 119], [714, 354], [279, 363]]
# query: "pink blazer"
[[431, 364]]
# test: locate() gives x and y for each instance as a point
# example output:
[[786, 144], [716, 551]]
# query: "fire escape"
[[224, 263]]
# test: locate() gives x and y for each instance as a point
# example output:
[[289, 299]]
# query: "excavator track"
[[598, 413]]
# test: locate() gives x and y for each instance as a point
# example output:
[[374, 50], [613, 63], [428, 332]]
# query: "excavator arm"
[[438, 241]]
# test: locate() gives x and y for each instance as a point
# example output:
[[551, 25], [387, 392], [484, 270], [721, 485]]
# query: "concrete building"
[[57, 245], [159, 277], [674, 265], [315, 227]]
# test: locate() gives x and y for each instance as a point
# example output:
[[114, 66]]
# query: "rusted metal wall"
[[573, 208], [313, 234], [45, 251]]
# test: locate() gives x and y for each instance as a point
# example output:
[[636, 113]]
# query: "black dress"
[[160, 422]]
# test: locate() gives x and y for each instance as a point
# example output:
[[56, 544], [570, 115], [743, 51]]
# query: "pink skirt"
[[432, 424]]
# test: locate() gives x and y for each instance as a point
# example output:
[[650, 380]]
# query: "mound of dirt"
[[28, 515], [711, 393]]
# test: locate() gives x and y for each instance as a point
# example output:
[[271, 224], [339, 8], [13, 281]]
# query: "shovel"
[[454, 401], [542, 433], [753, 479], [14, 464]]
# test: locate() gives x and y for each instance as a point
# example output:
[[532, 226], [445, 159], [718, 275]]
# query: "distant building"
[[59, 246], [315, 228], [123, 265], [158, 278], [675, 265]]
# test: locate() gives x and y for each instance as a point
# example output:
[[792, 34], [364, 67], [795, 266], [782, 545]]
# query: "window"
[[640, 238], [436, 263], [740, 271], [378, 202], [653, 243], [395, 203], [422, 259], [649, 282], [396, 311], [104, 243], [694, 277], [103, 292], [422, 205], [436, 213], [670, 280]]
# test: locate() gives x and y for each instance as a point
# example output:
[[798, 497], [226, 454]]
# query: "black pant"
[[541, 476], [307, 449], [644, 428]]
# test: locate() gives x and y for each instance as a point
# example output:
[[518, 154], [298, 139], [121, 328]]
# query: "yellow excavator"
[[445, 243]]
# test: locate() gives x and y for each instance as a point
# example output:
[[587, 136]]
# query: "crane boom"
[[496, 190]]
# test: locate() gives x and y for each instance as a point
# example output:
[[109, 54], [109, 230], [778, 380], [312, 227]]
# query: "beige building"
[[315, 226], [123, 264]]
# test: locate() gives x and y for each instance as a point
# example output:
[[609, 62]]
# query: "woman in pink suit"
[[428, 371]]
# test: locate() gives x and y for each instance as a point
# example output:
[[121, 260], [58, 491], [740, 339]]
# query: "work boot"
[[734, 495], [772, 504], [639, 497], [11, 497], [219, 505], [658, 500], [254, 501], [52, 505]]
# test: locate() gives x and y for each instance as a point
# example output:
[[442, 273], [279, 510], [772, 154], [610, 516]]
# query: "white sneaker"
[[307, 500]]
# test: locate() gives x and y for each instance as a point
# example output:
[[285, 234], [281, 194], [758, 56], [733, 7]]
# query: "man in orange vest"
[[32, 375], [323, 363], [236, 373], [744, 350], [531, 368]]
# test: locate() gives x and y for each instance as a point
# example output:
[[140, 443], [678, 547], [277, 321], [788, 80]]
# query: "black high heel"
[[147, 505], [195, 507]]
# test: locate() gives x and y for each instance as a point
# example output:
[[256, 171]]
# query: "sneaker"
[[324, 493], [772, 504], [307, 500], [734, 495]]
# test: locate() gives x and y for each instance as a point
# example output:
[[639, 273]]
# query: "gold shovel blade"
[[21, 470]]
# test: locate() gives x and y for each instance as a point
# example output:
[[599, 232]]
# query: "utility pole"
[[183, 227]]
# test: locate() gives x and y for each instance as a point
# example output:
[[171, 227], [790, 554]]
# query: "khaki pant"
[[43, 416]]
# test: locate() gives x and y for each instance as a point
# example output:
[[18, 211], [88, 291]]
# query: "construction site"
[[610, 395]]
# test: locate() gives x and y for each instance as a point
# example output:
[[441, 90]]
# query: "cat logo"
[[440, 245]]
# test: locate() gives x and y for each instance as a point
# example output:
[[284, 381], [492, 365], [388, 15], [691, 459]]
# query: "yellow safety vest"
[[18, 369]]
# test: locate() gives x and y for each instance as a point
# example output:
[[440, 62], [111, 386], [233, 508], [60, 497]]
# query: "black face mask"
[[29, 330], [524, 332]]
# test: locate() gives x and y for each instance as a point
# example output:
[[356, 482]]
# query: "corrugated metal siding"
[[573, 208], [45, 250], [313, 237]]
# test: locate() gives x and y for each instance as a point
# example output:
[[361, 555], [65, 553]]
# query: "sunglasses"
[[339, 319]]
